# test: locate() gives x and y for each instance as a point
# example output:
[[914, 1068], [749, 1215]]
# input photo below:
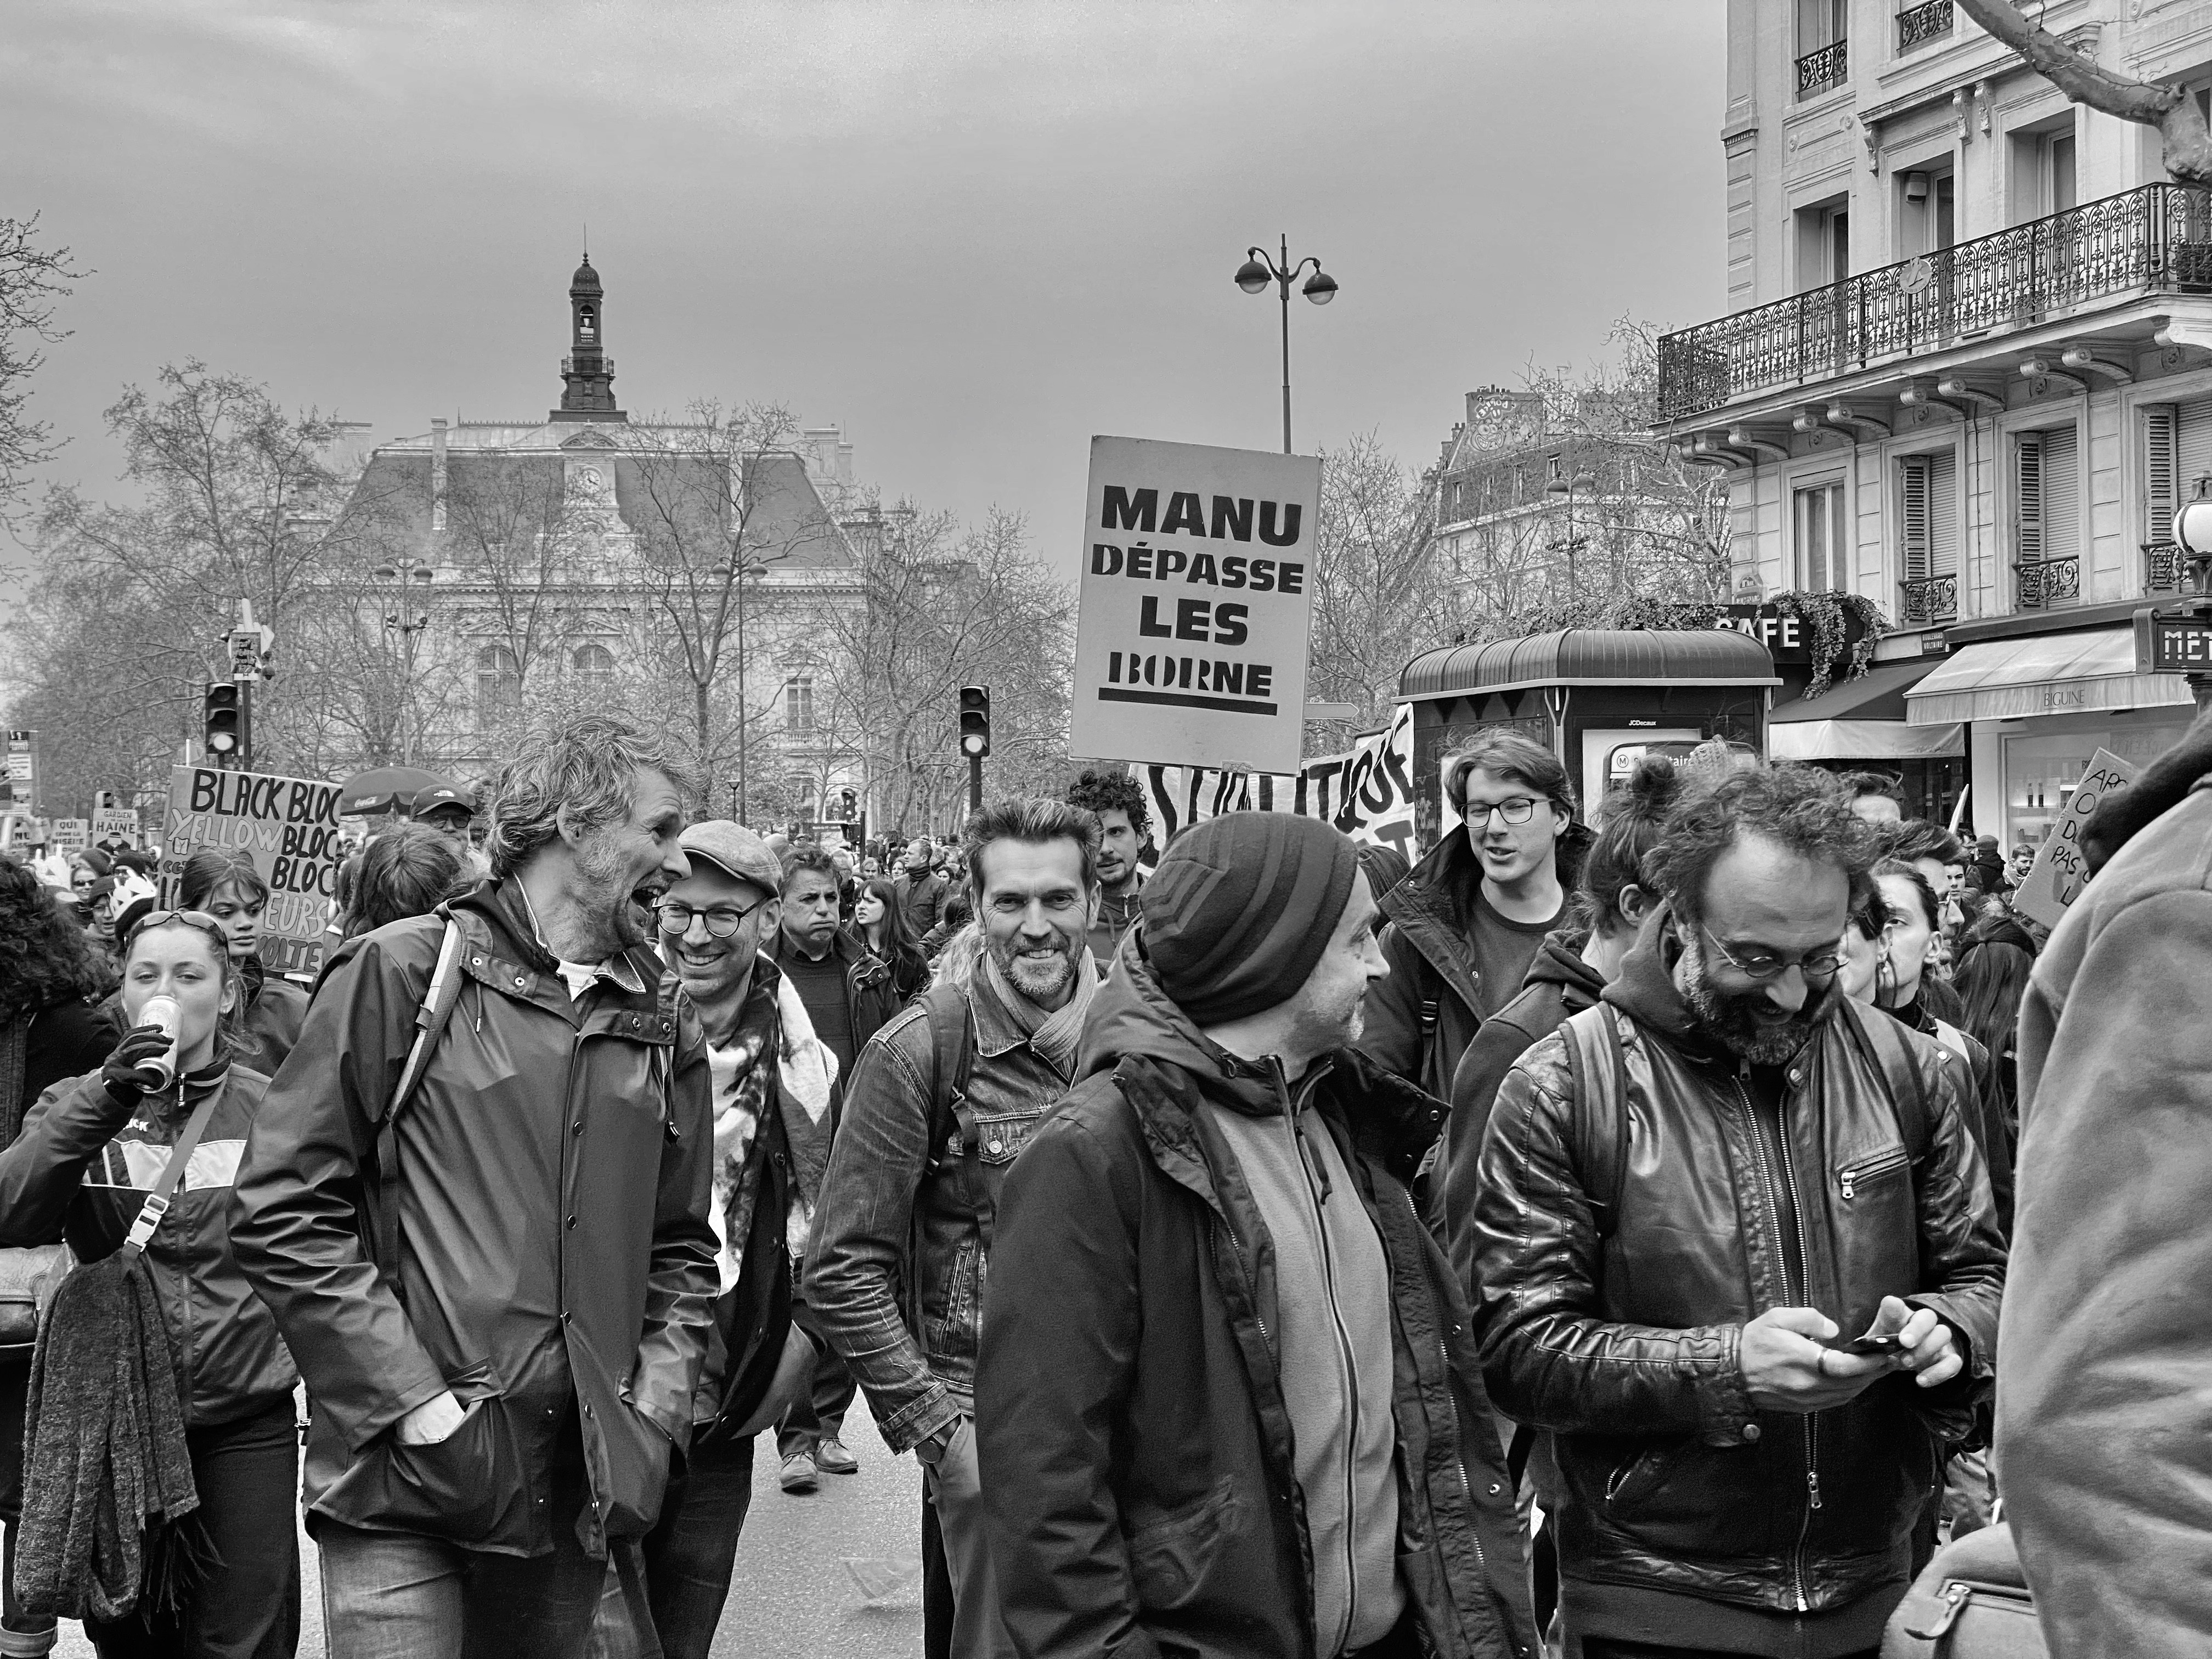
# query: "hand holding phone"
[[1874, 1342]]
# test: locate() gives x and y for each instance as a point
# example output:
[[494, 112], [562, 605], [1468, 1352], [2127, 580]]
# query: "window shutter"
[[2027, 497], [1943, 513], [1913, 515], [2062, 493], [2192, 451], [2161, 465]]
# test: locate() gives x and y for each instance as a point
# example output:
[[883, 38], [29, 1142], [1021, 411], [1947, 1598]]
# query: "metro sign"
[[2168, 644]]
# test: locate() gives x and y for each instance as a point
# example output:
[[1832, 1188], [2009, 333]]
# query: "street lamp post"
[[738, 571], [1257, 272], [1582, 484], [404, 577]]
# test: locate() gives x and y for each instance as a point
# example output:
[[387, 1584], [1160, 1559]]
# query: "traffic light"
[[226, 723], [975, 720]]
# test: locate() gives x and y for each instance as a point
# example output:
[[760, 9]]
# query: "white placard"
[[2061, 870], [1196, 605]]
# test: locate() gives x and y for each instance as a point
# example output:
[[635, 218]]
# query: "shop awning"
[[1657, 658], [1804, 739], [2042, 674], [1876, 695]]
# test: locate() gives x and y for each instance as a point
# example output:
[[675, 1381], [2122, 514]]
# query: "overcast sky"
[[974, 234]]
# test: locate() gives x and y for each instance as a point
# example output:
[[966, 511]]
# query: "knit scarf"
[[1054, 1033], [107, 1472]]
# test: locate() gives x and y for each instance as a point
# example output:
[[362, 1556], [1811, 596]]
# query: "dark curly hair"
[[1635, 817], [1797, 807], [44, 956], [1104, 789]]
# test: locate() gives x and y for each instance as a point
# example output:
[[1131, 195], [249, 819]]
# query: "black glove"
[[120, 1074]]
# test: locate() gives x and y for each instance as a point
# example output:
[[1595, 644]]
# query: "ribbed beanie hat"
[[1240, 909]]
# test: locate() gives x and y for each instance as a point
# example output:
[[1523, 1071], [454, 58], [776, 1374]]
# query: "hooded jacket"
[[555, 1258], [1136, 1409], [1420, 1019], [1559, 983], [83, 1167], [2103, 1422], [1625, 1346]]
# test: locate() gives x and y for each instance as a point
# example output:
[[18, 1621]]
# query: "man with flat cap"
[[1226, 1402]]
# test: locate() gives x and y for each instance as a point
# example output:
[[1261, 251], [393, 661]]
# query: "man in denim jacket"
[[939, 1103]]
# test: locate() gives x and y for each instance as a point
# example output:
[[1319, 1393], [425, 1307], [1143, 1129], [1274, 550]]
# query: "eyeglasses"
[[1519, 809], [721, 920], [1763, 965], [199, 919]]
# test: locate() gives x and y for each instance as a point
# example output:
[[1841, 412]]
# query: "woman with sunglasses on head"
[[90, 1154], [227, 886], [892, 951]]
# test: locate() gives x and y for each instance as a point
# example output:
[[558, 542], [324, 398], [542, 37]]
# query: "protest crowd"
[[1707, 1219]]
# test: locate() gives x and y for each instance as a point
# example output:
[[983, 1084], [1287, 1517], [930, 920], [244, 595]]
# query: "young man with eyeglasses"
[[1698, 1199], [772, 1089], [1467, 924]]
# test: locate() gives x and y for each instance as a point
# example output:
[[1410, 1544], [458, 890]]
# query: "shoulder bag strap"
[[157, 1202], [430, 1021]]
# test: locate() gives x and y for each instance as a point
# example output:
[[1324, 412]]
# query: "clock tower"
[[588, 373]]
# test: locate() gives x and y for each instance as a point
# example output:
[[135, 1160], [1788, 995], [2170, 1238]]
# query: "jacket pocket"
[[1864, 1172], [999, 1138], [1170, 1555], [1639, 1479], [470, 1488], [952, 1326]]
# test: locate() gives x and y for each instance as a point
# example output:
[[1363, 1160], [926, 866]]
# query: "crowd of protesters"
[[1589, 1240]]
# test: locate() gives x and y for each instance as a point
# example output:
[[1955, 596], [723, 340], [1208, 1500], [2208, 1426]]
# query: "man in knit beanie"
[[1220, 1344]]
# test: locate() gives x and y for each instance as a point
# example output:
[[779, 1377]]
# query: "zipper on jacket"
[[1848, 1178], [1459, 1458], [1770, 1180], [1346, 1362]]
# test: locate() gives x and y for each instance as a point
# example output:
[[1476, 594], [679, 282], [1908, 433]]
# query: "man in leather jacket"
[[1696, 1195]]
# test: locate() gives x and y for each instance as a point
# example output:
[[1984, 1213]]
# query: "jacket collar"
[[1430, 908], [498, 912]]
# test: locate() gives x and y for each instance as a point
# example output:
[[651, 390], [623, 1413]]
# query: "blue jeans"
[[400, 1595], [688, 1557]]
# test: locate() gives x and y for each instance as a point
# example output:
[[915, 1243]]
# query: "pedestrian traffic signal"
[[226, 723], [975, 720]]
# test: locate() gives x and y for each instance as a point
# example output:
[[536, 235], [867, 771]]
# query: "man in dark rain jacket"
[[502, 1376], [1226, 1402]]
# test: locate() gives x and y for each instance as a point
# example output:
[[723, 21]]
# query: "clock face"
[[588, 479]]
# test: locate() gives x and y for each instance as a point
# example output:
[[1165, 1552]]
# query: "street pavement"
[[797, 1590]]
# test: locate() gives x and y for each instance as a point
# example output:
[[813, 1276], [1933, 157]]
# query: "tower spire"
[[587, 374]]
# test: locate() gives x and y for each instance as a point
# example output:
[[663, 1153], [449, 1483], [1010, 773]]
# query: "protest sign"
[[1366, 792], [114, 824], [1195, 605], [21, 781], [2060, 871], [70, 835], [287, 826]]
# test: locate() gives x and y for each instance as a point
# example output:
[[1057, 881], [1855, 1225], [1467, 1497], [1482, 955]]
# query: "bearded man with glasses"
[[1737, 1256]]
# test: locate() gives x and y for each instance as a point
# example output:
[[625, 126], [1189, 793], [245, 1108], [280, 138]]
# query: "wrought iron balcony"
[[1927, 599], [1822, 68], [2045, 582], [2156, 239], [1924, 22], [2165, 567]]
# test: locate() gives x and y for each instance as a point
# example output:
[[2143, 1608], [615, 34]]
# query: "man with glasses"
[[1737, 1256], [1465, 926], [771, 1095]]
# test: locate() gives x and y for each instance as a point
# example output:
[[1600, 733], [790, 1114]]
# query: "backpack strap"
[[430, 1020], [1597, 1068], [953, 1057], [1891, 1052]]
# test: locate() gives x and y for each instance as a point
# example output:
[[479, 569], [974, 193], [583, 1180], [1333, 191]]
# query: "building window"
[[1928, 518], [2047, 517], [499, 686], [594, 666], [1823, 550], [799, 707], [1928, 216], [2177, 451], [584, 322], [1822, 60], [1824, 243]]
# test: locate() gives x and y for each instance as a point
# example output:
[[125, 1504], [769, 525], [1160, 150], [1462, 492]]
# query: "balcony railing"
[[1927, 599], [2165, 567], [1822, 68], [1925, 22], [2156, 239], [2045, 582]]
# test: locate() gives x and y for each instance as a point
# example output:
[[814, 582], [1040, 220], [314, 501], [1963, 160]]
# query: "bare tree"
[[2186, 142], [33, 277]]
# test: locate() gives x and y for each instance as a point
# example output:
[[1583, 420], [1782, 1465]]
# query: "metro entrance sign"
[[2169, 644]]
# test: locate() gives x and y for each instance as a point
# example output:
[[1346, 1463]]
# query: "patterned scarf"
[[1054, 1033], [806, 1073]]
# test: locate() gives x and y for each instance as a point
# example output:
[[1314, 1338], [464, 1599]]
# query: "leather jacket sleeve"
[[1962, 1252], [857, 1256], [1049, 1387], [681, 1277], [1548, 1358], [296, 1228]]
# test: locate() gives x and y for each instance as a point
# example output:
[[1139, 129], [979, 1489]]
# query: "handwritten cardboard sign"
[[2061, 870]]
